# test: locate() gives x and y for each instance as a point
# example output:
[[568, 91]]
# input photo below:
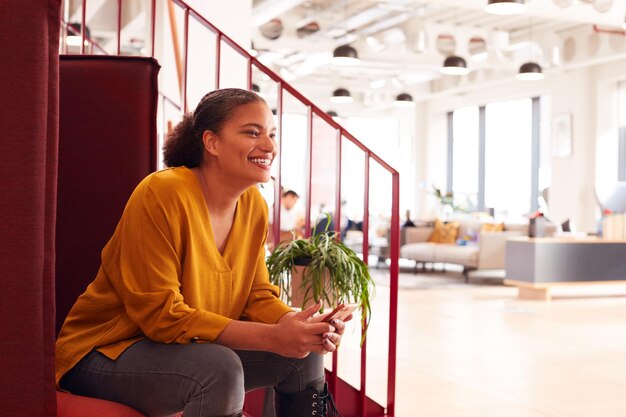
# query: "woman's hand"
[[298, 334], [332, 340]]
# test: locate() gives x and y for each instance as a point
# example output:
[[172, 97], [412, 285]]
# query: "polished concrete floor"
[[477, 351]]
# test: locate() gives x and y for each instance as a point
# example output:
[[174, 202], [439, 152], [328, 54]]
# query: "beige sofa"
[[488, 252]]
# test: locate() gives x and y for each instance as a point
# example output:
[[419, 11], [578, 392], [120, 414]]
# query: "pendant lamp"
[[404, 100], [454, 65], [530, 71], [341, 95], [505, 7], [74, 34], [345, 55]]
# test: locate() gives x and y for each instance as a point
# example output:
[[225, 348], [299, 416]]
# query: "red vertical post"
[[338, 183], [365, 228], [83, 27], [152, 27], [334, 375], [249, 73], [394, 253], [278, 181], [309, 137], [218, 59], [186, 58], [119, 26]]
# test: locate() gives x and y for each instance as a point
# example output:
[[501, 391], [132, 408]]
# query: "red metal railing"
[[341, 133]]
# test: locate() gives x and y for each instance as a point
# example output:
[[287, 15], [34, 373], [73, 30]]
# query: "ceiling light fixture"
[[404, 100], [341, 95], [530, 71], [345, 55], [332, 113], [74, 34], [454, 65], [505, 7]]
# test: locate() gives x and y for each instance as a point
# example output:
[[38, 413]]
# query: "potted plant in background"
[[321, 267]]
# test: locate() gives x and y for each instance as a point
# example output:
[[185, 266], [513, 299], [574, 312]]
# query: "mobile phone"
[[341, 312]]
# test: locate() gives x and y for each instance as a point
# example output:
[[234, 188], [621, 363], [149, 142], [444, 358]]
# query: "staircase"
[[129, 149]]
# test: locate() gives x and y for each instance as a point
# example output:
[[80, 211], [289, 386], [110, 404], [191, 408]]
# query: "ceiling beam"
[[269, 9]]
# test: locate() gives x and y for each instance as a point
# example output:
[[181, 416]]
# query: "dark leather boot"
[[309, 402]]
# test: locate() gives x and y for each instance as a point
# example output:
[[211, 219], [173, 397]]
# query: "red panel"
[[107, 144], [347, 399], [28, 172]]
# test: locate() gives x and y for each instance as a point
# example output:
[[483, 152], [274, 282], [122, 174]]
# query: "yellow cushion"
[[444, 232], [492, 227]]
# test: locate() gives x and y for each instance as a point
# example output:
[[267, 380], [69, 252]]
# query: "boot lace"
[[329, 409]]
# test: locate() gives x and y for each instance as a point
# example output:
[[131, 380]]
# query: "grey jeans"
[[202, 379]]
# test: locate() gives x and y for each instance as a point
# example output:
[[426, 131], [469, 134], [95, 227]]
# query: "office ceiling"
[[402, 43]]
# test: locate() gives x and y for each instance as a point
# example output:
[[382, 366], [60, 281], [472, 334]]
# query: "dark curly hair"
[[184, 146]]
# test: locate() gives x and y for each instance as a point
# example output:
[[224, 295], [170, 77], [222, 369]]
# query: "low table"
[[535, 265]]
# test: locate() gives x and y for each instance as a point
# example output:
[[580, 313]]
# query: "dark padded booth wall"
[[107, 145], [29, 35]]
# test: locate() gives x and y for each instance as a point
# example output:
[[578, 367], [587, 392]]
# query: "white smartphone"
[[341, 312]]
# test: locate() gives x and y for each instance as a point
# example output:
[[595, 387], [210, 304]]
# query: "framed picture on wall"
[[562, 135]]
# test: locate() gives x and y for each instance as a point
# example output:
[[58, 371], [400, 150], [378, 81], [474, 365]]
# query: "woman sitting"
[[181, 314]]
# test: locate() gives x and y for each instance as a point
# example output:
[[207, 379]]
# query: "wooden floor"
[[477, 351]]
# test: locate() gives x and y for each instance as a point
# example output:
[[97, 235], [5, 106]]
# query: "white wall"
[[234, 21], [586, 93]]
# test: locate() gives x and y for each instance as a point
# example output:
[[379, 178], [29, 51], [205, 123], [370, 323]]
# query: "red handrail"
[[341, 133]]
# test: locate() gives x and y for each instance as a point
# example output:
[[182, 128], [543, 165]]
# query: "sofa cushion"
[[415, 234], [70, 405], [444, 232], [460, 255], [492, 227], [423, 251]]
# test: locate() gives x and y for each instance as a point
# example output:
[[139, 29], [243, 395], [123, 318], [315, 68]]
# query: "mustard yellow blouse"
[[163, 278]]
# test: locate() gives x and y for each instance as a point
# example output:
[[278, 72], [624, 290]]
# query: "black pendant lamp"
[[505, 7], [345, 55], [341, 95], [530, 71], [404, 100], [454, 65], [74, 34]]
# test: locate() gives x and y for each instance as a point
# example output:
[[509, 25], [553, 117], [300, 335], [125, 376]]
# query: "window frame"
[[535, 153]]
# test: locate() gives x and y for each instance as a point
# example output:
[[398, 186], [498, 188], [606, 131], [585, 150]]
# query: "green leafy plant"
[[334, 273]]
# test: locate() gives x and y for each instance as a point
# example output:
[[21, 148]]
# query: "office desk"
[[535, 265]]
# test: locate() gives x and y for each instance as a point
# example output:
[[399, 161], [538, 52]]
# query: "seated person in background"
[[290, 221], [408, 222], [181, 315]]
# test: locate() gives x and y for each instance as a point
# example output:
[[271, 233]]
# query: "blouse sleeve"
[[144, 265], [263, 304]]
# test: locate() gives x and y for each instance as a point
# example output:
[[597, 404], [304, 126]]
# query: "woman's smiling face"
[[245, 146]]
